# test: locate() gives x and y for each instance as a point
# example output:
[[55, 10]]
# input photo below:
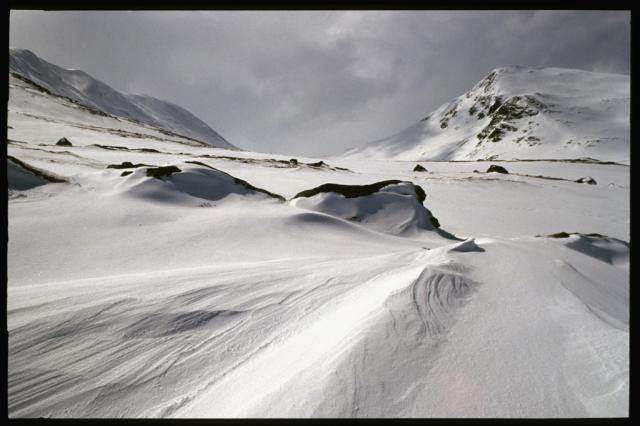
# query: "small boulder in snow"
[[587, 179], [419, 168], [63, 142], [497, 169], [293, 162]]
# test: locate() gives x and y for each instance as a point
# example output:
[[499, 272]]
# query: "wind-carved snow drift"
[[393, 207], [415, 319], [521, 113], [83, 88], [187, 183]]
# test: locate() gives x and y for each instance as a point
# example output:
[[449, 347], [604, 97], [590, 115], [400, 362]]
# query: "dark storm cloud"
[[316, 82]]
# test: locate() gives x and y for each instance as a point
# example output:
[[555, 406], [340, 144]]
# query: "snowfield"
[[152, 276]]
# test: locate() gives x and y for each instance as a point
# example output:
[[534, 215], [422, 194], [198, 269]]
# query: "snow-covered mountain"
[[521, 113], [81, 87], [151, 275]]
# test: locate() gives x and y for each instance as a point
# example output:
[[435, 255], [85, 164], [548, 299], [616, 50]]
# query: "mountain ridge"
[[88, 91], [520, 113]]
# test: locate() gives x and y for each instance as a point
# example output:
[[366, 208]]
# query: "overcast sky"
[[316, 82]]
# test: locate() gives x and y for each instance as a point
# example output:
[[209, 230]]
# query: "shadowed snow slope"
[[81, 87], [606, 296], [20, 178], [179, 120], [518, 112], [186, 183]]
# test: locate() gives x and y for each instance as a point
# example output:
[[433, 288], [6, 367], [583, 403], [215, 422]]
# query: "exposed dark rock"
[[126, 173], [434, 222], [164, 171], [487, 83], [111, 147], [63, 142], [270, 162], [127, 165], [504, 114], [559, 235], [543, 177], [353, 191], [497, 103], [568, 234], [496, 135], [124, 148], [509, 127], [444, 122], [41, 173], [497, 169], [199, 163], [255, 188], [595, 235], [419, 168], [587, 179]]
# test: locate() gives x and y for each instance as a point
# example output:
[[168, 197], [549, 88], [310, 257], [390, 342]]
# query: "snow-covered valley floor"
[[194, 295]]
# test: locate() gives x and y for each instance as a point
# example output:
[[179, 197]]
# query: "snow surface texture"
[[521, 113], [167, 279], [81, 87]]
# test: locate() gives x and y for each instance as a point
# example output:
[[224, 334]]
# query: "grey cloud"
[[316, 82]]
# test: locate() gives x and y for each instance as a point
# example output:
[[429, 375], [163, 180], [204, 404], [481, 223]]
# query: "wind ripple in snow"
[[245, 347], [389, 329], [435, 295]]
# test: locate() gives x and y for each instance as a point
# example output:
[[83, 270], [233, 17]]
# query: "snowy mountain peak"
[[518, 112], [83, 88]]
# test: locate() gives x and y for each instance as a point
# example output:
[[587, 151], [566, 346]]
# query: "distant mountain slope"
[[37, 116], [80, 86], [179, 120], [523, 113]]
